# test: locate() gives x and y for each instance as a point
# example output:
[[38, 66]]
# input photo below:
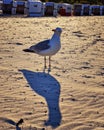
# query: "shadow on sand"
[[11, 122], [48, 87]]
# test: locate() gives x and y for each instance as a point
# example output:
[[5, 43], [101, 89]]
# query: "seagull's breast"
[[54, 48]]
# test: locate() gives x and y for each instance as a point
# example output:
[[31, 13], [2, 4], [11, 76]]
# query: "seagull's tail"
[[28, 50]]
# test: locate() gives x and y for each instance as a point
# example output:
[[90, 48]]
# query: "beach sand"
[[71, 96]]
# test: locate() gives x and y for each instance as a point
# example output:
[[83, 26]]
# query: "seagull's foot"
[[49, 70], [45, 67], [44, 70]]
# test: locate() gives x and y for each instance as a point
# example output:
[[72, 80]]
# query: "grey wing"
[[41, 46]]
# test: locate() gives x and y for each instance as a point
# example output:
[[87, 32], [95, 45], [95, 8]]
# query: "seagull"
[[47, 47]]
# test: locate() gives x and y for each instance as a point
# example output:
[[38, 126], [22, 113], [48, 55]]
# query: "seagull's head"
[[57, 30]]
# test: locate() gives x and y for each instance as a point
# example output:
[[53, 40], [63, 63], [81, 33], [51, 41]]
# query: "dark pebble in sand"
[[86, 76], [19, 122], [43, 128], [73, 99], [19, 44]]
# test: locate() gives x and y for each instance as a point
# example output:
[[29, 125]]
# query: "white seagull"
[[48, 47]]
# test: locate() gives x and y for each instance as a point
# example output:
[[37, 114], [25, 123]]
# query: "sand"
[[71, 96]]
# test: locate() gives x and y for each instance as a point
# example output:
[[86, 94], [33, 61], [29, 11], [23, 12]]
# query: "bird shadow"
[[11, 122], [49, 88]]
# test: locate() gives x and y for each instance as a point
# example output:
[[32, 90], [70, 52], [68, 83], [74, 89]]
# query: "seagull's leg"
[[49, 69], [45, 63]]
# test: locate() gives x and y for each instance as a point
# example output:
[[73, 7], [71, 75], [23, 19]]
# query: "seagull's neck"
[[55, 37]]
